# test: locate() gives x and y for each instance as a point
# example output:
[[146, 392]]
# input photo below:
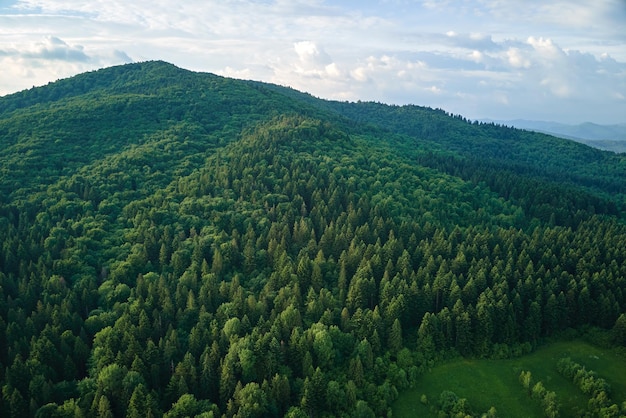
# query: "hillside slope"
[[178, 244]]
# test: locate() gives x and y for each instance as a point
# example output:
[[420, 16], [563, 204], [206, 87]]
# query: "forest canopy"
[[182, 244]]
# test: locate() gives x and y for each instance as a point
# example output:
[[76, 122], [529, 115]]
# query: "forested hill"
[[182, 244]]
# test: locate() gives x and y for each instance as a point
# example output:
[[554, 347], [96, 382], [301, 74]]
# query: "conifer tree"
[[395, 337]]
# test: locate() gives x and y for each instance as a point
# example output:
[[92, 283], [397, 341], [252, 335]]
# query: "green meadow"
[[487, 383]]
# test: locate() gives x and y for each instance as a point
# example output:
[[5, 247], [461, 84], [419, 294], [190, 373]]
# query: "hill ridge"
[[219, 247]]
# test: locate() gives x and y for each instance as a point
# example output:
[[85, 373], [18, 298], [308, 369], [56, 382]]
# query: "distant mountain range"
[[606, 137]]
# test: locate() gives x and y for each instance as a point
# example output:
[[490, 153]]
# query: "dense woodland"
[[179, 244]]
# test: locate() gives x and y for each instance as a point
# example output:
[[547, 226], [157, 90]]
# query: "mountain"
[[606, 137], [179, 244]]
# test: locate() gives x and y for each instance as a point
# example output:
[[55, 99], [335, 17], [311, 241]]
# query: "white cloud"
[[333, 70], [360, 74], [517, 59], [476, 56], [310, 54], [545, 48], [26, 63], [53, 48], [242, 74], [554, 59]]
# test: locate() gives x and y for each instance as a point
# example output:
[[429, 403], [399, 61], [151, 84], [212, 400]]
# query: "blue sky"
[[557, 60]]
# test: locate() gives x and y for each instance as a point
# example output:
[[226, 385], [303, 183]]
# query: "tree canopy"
[[182, 244]]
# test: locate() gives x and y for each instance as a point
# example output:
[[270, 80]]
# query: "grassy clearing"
[[487, 383]]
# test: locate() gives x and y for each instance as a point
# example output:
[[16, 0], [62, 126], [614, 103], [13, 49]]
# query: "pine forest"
[[179, 244]]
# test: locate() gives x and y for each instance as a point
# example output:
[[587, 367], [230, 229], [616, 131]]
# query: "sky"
[[550, 60]]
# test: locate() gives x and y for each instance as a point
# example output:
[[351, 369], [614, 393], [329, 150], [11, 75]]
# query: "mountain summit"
[[182, 244]]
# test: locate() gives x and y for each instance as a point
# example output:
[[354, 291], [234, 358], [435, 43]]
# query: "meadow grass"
[[487, 383]]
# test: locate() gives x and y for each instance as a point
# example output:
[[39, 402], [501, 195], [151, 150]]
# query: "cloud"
[[120, 56], [535, 76], [480, 58], [312, 62], [476, 40], [310, 54], [516, 58], [578, 14], [243, 74], [28, 63], [53, 48]]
